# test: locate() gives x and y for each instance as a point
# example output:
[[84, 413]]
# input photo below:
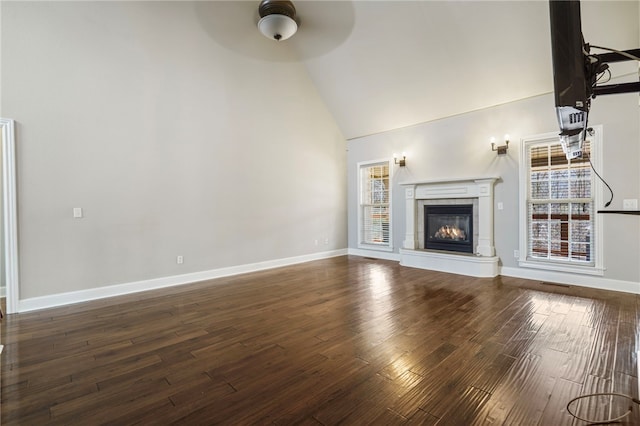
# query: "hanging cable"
[[607, 71], [610, 419], [622, 401], [619, 52], [608, 203]]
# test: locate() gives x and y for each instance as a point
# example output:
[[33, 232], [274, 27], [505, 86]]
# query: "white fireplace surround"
[[483, 263]]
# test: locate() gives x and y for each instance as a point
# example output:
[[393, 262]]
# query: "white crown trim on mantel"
[[451, 180]]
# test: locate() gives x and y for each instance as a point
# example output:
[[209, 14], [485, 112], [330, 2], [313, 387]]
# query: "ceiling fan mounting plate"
[[277, 7]]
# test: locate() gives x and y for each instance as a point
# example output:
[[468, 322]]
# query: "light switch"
[[500, 206], [77, 212]]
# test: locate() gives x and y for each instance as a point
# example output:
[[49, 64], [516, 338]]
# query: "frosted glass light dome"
[[277, 27]]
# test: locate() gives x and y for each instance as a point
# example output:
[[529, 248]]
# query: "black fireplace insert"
[[449, 227]]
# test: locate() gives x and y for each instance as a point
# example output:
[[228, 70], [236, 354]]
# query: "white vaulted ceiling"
[[411, 62], [382, 65]]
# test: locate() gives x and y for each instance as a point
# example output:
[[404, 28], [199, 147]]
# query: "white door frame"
[[10, 222]]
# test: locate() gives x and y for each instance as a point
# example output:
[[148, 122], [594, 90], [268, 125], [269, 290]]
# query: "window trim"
[[557, 265], [361, 244]]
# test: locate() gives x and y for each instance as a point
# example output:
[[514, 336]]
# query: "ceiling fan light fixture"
[[277, 19]]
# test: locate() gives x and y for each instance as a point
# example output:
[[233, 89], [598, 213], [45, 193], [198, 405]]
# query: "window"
[[560, 228], [374, 214]]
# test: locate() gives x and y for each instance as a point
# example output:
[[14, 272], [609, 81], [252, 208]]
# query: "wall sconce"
[[502, 149], [401, 162]]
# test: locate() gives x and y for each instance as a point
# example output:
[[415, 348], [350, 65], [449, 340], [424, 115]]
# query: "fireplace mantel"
[[483, 263]]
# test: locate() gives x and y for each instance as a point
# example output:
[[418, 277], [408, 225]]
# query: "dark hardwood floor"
[[345, 340]]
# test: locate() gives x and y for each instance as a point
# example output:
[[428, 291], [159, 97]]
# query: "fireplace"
[[454, 192], [449, 227]]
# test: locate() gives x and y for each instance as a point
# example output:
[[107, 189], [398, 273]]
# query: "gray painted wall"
[[174, 145], [459, 147], [171, 144]]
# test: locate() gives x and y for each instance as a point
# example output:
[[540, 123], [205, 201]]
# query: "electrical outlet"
[[516, 254], [630, 204], [315, 242], [179, 260], [326, 241]]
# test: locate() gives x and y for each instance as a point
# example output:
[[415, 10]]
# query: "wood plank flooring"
[[346, 340]]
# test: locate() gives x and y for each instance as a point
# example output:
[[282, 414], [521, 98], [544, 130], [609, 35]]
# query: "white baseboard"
[[385, 255], [62, 299], [532, 274], [572, 279]]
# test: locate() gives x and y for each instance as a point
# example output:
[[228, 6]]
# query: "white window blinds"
[[560, 205], [375, 195]]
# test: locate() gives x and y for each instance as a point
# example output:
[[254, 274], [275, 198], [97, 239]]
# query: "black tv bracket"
[[612, 89]]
